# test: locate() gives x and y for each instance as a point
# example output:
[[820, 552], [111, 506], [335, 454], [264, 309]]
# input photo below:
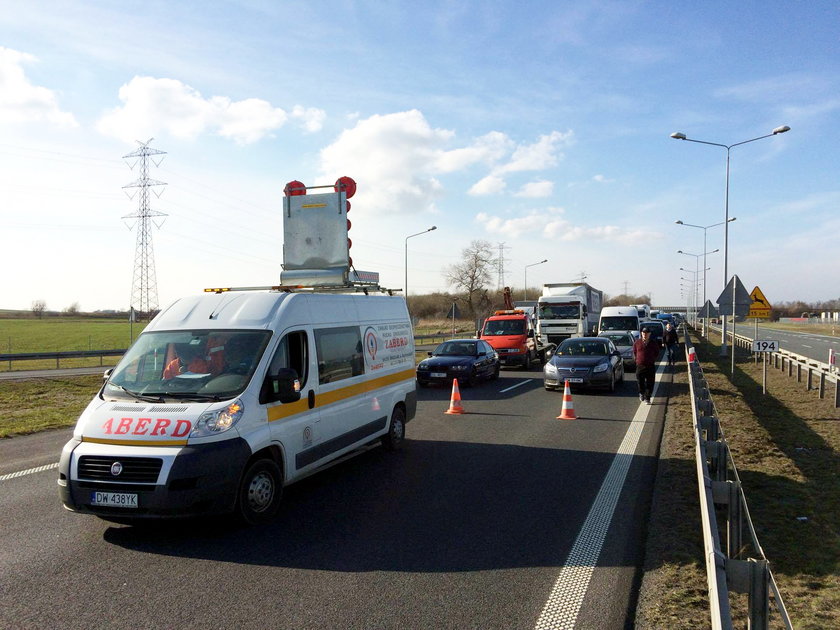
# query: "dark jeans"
[[672, 352], [646, 377]]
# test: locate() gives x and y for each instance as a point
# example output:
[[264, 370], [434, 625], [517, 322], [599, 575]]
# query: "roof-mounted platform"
[[316, 247]]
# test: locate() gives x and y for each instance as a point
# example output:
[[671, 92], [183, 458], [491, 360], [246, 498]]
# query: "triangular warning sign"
[[760, 306]]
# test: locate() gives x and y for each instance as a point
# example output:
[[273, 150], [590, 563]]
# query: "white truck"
[[567, 309]]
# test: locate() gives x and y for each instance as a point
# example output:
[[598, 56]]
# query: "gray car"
[[623, 342], [584, 362]]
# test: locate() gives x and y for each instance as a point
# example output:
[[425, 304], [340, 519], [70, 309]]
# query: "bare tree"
[[471, 276], [38, 308], [73, 309]]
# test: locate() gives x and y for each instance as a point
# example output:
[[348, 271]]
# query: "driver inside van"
[[189, 358]]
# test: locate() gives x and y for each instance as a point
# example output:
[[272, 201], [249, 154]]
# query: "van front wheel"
[[396, 431], [260, 492]]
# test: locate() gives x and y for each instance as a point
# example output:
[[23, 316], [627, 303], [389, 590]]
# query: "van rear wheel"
[[396, 431], [260, 492]]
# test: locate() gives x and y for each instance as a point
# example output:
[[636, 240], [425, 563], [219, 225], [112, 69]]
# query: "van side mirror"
[[283, 386], [107, 374]]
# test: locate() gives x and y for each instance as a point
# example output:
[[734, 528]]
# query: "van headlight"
[[219, 420]]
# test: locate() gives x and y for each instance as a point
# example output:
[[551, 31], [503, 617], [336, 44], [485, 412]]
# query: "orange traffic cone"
[[455, 402], [568, 410]]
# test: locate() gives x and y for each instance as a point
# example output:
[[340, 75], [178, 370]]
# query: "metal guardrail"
[[70, 354], [86, 354], [784, 359], [728, 567]]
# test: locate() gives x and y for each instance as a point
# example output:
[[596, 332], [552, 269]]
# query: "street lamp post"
[[681, 136], [526, 275], [696, 265], [704, 228], [434, 227]]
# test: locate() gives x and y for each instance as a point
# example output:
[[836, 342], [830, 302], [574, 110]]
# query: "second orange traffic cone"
[[567, 412], [455, 402]]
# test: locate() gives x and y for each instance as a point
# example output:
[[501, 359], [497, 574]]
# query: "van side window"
[[339, 353], [292, 353]]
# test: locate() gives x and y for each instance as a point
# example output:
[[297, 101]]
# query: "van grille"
[[134, 469]]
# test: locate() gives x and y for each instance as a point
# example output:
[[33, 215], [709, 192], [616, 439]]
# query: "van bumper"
[[202, 479]]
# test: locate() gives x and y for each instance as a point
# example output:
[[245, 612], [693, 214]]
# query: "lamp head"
[[781, 129], [678, 135], [678, 222]]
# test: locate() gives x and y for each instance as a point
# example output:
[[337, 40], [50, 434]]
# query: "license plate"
[[114, 499], [575, 380], [438, 374]]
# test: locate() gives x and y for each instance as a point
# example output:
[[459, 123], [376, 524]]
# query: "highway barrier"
[[733, 564]]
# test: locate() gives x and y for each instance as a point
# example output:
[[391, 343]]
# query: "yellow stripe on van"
[[327, 398], [135, 442]]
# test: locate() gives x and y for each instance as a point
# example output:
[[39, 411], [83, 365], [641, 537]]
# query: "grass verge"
[[44, 403], [785, 445]]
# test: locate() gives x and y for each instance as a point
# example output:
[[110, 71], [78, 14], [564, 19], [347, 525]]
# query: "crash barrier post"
[[731, 568], [794, 364]]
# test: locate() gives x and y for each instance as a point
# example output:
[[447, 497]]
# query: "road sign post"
[[763, 346]]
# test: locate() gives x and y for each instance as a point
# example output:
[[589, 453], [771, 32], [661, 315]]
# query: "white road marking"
[[563, 606], [22, 473], [806, 346], [515, 386]]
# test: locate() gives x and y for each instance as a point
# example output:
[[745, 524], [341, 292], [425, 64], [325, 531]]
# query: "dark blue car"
[[469, 360]]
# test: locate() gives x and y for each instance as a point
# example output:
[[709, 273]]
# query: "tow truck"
[[511, 334]]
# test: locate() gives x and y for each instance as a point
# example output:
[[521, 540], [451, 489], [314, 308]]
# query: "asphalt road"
[[807, 344], [504, 517]]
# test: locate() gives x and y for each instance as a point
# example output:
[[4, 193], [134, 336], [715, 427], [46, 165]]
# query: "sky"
[[540, 127]]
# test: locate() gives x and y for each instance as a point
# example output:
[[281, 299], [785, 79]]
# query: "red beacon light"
[[346, 184], [294, 188]]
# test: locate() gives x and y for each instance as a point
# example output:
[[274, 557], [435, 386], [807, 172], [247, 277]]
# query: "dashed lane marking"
[[515, 386], [30, 471]]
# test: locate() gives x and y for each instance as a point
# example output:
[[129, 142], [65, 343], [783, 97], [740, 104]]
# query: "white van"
[[229, 396], [619, 318]]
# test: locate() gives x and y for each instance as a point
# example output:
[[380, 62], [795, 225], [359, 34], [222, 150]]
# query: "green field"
[[63, 335]]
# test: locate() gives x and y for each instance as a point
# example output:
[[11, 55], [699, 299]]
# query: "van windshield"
[[188, 364], [619, 323]]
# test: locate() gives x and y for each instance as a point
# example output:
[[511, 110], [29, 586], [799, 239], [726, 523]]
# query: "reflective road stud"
[[567, 412], [455, 403]]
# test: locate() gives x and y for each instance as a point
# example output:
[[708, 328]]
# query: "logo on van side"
[[371, 344]]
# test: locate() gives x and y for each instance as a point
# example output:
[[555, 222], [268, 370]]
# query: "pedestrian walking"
[[672, 341], [646, 352]]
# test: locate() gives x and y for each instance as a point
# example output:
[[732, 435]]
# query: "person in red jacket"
[[646, 353]]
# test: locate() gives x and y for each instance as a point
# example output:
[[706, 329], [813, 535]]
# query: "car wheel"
[[496, 372], [621, 378], [260, 492], [527, 363], [473, 380], [396, 431], [611, 386]]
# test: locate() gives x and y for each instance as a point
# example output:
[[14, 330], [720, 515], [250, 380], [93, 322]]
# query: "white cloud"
[[552, 225], [544, 153], [151, 106], [601, 179], [533, 190], [311, 118], [20, 101], [489, 148], [393, 157], [490, 185]]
